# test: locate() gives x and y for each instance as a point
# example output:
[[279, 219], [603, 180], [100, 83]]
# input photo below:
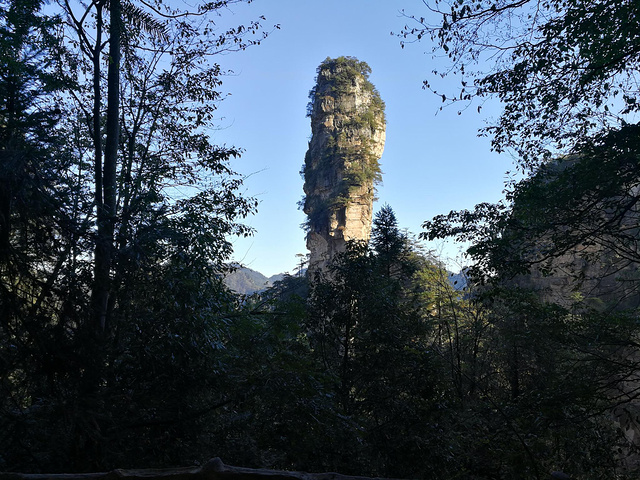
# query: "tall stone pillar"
[[341, 166]]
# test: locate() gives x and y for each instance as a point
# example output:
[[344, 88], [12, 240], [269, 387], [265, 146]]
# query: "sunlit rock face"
[[341, 166]]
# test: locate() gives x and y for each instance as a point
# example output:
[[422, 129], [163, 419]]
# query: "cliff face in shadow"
[[581, 242], [341, 166], [576, 226]]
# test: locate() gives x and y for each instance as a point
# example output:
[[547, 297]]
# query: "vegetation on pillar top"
[[337, 76]]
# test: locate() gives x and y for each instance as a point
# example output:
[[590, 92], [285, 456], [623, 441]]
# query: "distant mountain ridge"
[[247, 281], [458, 280]]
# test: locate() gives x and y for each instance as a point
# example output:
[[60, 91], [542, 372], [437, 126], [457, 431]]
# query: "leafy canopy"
[[563, 69]]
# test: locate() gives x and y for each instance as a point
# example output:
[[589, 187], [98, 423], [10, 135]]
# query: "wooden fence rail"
[[214, 469]]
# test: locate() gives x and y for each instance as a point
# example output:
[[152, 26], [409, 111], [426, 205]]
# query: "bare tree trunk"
[[90, 445], [106, 209]]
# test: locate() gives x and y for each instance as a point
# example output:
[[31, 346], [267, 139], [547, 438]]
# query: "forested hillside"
[[122, 347]]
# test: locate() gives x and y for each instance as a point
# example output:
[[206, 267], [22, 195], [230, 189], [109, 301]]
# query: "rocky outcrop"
[[341, 166]]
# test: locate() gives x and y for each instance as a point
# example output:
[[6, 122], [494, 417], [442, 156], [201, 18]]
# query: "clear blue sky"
[[433, 161]]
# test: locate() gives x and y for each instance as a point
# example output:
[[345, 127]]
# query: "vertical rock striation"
[[341, 166]]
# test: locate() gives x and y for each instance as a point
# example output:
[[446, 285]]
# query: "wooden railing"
[[214, 469]]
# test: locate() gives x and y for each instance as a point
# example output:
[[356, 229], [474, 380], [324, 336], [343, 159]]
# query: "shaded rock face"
[[601, 269], [591, 276], [341, 166], [595, 277], [601, 274]]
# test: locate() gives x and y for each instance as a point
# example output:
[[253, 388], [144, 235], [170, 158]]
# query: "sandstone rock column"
[[341, 166]]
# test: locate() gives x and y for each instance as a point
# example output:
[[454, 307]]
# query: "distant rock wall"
[[341, 166]]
